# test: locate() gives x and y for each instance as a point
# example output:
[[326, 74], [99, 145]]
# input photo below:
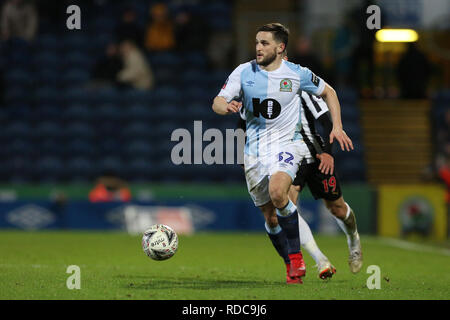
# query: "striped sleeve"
[[315, 104]]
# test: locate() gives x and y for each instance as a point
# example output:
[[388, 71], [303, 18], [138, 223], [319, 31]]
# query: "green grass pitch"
[[212, 266]]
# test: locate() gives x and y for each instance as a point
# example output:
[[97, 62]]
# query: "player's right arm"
[[225, 102], [222, 107]]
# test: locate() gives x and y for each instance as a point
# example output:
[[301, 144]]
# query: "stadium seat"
[[77, 112], [165, 59], [18, 129], [138, 130], [75, 77], [81, 168], [107, 113], [79, 148], [48, 130], [132, 96], [47, 112], [49, 169], [49, 147], [47, 77], [141, 112], [20, 77], [141, 149], [47, 94], [80, 130], [167, 94], [48, 59]]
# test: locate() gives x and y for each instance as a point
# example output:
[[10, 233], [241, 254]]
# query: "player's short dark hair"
[[280, 33]]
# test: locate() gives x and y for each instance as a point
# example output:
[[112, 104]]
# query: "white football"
[[160, 242]]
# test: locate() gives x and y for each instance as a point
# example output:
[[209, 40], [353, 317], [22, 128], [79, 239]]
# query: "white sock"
[[307, 241], [352, 236]]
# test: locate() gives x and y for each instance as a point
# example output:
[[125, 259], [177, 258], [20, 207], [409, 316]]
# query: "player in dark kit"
[[321, 177], [323, 183]]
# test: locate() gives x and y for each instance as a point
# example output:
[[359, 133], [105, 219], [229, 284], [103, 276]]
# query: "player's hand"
[[344, 140], [326, 163], [234, 107]]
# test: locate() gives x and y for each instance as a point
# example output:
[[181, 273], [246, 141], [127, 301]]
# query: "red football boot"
[[298, 267], [289, 279]]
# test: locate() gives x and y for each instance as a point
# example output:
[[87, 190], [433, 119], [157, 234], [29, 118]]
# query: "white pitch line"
[[414, 246]]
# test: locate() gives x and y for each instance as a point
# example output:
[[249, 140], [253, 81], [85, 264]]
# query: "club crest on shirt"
[[286, 85]]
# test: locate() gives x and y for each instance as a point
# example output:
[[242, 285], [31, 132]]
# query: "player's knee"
[[278, 197], [337, 208], [272, 221]]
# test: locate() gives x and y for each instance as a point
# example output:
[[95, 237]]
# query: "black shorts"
[[322, 186]]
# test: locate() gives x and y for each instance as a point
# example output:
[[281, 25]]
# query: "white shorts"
[[259, 169]]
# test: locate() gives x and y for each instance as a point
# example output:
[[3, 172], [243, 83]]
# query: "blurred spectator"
[[191, 33], [343, 46], [107, 67], [363, 66], [413, 72], [129, 28], [220, 51], [305, 57], [110, 188], [160, 34], [444, 175], [136, 71], [19, 19]]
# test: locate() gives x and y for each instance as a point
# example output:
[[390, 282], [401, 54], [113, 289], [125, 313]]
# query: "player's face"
[[266, 48]]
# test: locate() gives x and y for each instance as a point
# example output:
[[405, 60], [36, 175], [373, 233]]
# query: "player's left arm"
[[330, 97]]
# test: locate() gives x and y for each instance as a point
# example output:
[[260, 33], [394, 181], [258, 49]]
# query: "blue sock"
[[279, 241], [288, 220]]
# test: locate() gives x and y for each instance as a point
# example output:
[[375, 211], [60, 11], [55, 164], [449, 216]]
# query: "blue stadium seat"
[[19, 168], [79, 148], [110, 164], [138, 130], [81, 168], [165, 59], [47, 42], [75, 77], [105, 96], [107, 112], [18, 129], [140, 169], [108, 146], [48, 59], [47, 94], [19, 77], [47, 112], [75, 41], [20, 147], [191, 76], [76, 95], [349, 112], [49, 147], [141, 149], [44, 130], [47, 77], [79, 130], [167, 94], [198, 94], [143, 97], [78, 61], [17, 94], [141, 112], [49, 169], [195, 60], [77, 112]]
